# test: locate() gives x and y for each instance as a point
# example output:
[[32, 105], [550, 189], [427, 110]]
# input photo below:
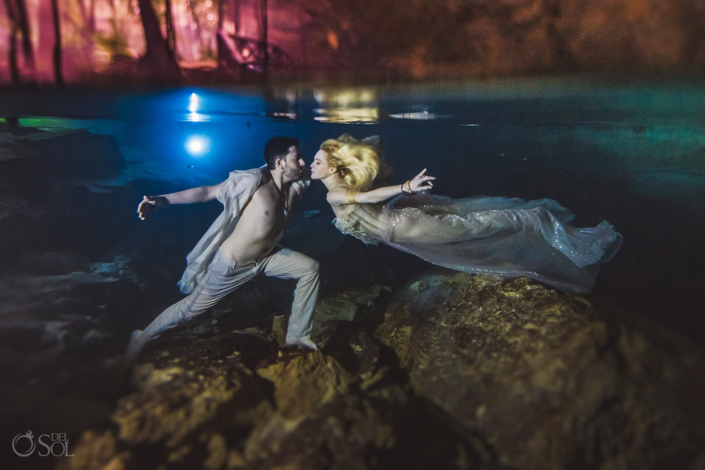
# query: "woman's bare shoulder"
[[337, 197]]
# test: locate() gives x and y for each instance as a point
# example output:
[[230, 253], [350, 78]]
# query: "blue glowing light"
[[197, 145], [193, 103]]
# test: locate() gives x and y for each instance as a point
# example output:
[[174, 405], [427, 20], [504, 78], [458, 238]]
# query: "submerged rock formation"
[[450, 371], [546, 379]]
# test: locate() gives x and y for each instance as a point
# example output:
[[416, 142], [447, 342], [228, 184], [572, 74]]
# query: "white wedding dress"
[[489, 235]]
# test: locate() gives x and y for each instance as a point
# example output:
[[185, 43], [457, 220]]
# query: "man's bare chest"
[[266, 208]]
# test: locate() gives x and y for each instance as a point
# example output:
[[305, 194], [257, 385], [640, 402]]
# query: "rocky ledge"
[[450, 371]]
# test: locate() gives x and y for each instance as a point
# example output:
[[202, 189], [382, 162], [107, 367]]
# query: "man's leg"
[[289, 264], [223, 277]]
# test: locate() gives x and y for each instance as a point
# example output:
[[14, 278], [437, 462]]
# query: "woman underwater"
[[506, 237]]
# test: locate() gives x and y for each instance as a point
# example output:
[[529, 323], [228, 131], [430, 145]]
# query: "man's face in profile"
[[293, 164]]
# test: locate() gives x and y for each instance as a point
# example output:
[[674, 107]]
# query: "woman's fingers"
[[425, 180], [421, 174]]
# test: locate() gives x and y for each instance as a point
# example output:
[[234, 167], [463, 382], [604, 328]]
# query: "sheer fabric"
[[490, 235]]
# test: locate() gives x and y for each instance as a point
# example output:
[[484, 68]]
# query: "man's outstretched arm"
[[189, 196]]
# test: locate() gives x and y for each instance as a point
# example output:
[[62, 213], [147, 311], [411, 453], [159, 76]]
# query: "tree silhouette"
[[58, 75], [17, 12], [12, 51], [158, 61]]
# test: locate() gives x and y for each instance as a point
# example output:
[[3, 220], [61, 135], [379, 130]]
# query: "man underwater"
[[243, 243]]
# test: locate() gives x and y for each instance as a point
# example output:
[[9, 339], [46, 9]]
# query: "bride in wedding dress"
[[506, 237]]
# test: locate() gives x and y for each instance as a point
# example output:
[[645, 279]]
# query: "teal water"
[[630, 153]]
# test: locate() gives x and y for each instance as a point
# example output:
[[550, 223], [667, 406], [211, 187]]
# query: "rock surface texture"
[[450, 371]]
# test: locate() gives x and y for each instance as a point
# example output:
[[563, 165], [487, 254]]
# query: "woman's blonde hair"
[[357, 162]]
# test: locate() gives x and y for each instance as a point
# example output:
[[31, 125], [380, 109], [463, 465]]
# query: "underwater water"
[[79, 271], [633, 154]]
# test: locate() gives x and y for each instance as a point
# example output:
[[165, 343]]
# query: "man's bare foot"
[[303, 341]]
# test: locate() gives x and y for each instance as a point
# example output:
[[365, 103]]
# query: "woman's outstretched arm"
[[341, 196]]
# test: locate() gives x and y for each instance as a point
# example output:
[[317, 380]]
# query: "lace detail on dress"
[[350, 226]]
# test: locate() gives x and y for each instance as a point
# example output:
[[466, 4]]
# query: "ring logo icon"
[[55, 444], [22, 448]]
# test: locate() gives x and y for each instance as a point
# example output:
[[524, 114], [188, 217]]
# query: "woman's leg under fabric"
[[417, 227]]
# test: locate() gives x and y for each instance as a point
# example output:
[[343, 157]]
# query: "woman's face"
[[319, 167]]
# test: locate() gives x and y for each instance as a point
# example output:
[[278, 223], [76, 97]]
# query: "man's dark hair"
[[277, 147]]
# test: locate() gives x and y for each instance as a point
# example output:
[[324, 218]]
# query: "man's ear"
[[279, 163]]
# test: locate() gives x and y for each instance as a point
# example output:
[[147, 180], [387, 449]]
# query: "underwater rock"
[[96, 451], [542, 376], [45, 156], [67, 284], [324, 420], [451, 371], [280, 325], [171, 402], [199, 405], [305, 382], [353, 348], [182, 393], [45, 203], [354, 304]]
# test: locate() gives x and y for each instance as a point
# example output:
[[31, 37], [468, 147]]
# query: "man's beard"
[[292, 173]]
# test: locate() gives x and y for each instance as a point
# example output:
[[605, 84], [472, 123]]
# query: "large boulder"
[[547, 380], [45, 156]]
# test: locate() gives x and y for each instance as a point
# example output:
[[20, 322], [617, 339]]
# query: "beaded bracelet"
[[410, 192]]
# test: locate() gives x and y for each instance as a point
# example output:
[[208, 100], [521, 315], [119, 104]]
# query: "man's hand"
[[149, 203]]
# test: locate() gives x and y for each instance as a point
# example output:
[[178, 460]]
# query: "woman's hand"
[[421, 182]]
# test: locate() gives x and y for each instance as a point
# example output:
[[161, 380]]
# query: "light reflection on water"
[[422, 116], [197, 117], [346, 106], [347, 116]]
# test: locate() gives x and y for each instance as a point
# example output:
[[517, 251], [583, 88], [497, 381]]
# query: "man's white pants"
[[225, 275]]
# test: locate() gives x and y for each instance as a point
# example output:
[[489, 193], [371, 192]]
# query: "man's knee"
[[313, 267], [310, 267]]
